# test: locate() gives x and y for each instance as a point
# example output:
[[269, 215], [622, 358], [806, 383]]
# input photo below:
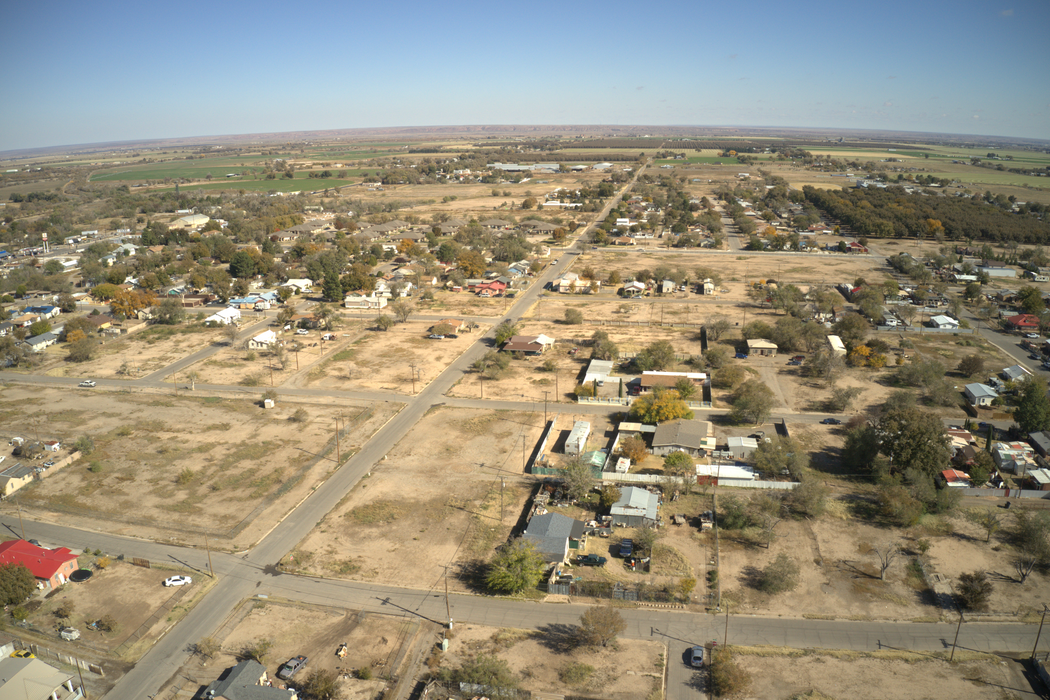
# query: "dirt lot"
[[373, 641], [132, 596], [876, 676], [435, 500], [630, 671], [225, 466]]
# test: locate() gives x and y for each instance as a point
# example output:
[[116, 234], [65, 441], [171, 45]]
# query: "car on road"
[[177, 581], [626, 547], [435, 336], [830, 421], [983, 426], [291, 667], [301, 331], [696, 657], [49, 463], [590, 560], [87, 382], [741, 356]]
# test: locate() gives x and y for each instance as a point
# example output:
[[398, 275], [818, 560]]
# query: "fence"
[[661, 479], [42, 652], [640, 592], [923, 329], [626, 401], [1005, 493]]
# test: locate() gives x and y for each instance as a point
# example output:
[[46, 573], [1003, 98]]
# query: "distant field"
[[984, 176], [298, 184]]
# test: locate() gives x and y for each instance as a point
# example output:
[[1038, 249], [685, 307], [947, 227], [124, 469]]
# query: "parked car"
[[1033, 356], [794, 363], [49, 463], [831, 421], [451, 336], [328, 336], [23, 654], [590, 560], [626, 547], [178, 581], [741, 356], [435, 336], [301, 331], [1031, 335], [291, 667], [696, 657], [87, 383], [798, 358]]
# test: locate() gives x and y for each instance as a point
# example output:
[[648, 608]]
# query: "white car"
[[87, 382], [177, 581], [1031, 335], [301, 331]]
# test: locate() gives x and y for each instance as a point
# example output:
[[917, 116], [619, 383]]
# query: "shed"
[[553, 535], [636, 508], [741, 447], [577, 440], [1039, 479], [725, 474]]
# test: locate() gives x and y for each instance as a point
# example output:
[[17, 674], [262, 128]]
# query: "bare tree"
[[230, 333], [887, 553], [991, 521], [402, 310]]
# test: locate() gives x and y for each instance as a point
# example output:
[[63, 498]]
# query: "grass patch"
[[344, 355], [377, 513]]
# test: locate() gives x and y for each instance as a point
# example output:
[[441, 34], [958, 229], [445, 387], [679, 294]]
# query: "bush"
[[95, 467], [102, 562], [299, 416], [600, 625], [779, 576], [485, 669], [20, 613], [107, 624], [256, 651], [576, 674], [84, 445], [573, 317], [727, 677], [973, 590], [365, 673], [584, 390], [65, 609], [185, 477]]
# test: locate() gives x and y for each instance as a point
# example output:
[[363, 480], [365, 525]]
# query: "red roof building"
[[955, 478], [51, 567], [1023, 322]]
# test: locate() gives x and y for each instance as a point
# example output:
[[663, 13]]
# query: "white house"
[[980, 394], [300, 285], [262, 341], [943, 322], [356, 300], [224, 317], [836, 345]]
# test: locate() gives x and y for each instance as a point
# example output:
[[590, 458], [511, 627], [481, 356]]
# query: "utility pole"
[[175, 382], [481, 378], [413, 368], [20, 523], [1037, 634], [725, 639], [545, 393], [211, 571], [502, 485], [338, 457], [448, 607], [718, 551], [956, 641]]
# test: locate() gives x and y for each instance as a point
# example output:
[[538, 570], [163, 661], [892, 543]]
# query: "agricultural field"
[[434, 499], [172, 467]]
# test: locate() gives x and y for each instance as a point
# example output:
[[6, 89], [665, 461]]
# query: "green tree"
[[973, 590], [1033, 407], [781, 455], [505, 331], [971, 365], [402, 310], [16, 584], [752, 402], [333, 287], [573, 317], [242, 265], [658, 406], [779, 576], [600, 625], [515, 568], [579, 478], [914, 440], [321, 684], [655, 356], [610, 494], [727, 677], [81, 350], [384, 322], [1031, 300], [486, 669], [716, 328], [679, 464], [169, 312]]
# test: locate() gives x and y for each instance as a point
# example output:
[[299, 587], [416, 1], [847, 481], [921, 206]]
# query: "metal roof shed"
[[636, 508], [577, 439]]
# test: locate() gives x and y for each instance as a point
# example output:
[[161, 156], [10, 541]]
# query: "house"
[[299, 285], [1040, 441], [577, 440], [598, 371], [193, 221], [1014, 457], [705, 287], [246, 681], [356, 300], [741, 447], [1015, 372], [836, 345], [693, 437], [33, 679], [15, 477], [1037, 276], [1038, 480], [51, 567], [953, 478], [945, 322], [263, 341], [1023, 322], [653, 378], [224, 317], [980, 394], [666, 287], [760, 346], [636, 508], [553, 535], [633, 288], [458, 325], [39, 342], [724, 474], [529, 344], [52, 445], [964, 456]]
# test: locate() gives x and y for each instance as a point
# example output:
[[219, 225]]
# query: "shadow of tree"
[[750, 576], [559, 638], [472, 574]]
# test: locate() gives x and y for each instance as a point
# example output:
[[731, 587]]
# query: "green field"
[[296, 185], [985, 176]]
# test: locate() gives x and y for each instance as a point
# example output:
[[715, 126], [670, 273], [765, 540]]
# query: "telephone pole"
[[338, 458], [545, 393], [211, 571]]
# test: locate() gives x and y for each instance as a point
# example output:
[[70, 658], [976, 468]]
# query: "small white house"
[[263, 341], [225, 317], [980, 394], [946, 322], [363, 301]]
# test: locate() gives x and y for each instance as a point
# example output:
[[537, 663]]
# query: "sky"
[[88, 72]]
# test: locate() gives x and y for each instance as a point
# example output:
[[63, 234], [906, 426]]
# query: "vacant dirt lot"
[[628, 671], [172, 468], [435, 500], [876, 676]]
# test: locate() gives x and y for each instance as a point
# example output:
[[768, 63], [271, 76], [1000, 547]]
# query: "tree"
[[645, 539], [658, 406], [333, 287], [634, 449], [573, 317], [726, 676], [471, 263], [1031, 300], [914, 440], [610, 495], [505, 331], [824, 364], [655, 356], [488, 670], [886, 553], [169, 312], [16, 584], [128, 302], [1033, 407], [257, 650], [716, 357], [516, 567], [852, 328], [781, 455], [752, 402], [842, 398], [716, 328], [242, 265], [1032, 535], [402, 310], [971, 365], [991, 521], [81, 350], [973, 590], [325, 314], [321, 684], [808, 499], [679, 464], [230, 332], [600, 625], [578, 477], [779, 576]]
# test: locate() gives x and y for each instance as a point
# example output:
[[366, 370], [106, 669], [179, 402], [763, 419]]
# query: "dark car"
[[794, 363], [590, 560], [626, 547], [831, 421], [741, 356], [291, 667], [451, 336]]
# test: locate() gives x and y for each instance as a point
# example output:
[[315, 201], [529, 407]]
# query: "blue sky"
[[85, 72]]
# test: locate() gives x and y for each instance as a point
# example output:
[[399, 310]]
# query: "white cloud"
[[887, 103], [1007, 13]]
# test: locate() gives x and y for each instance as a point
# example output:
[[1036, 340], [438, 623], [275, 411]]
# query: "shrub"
[[107, 624], [185, 477], [365, 673], [299, 416], [779, 576], [974, 590], [95, 467], [20, 613], [256, 651], [727, 677], [573, 317], [576, 674], [65, 609], [102, 562], [84, 445]]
